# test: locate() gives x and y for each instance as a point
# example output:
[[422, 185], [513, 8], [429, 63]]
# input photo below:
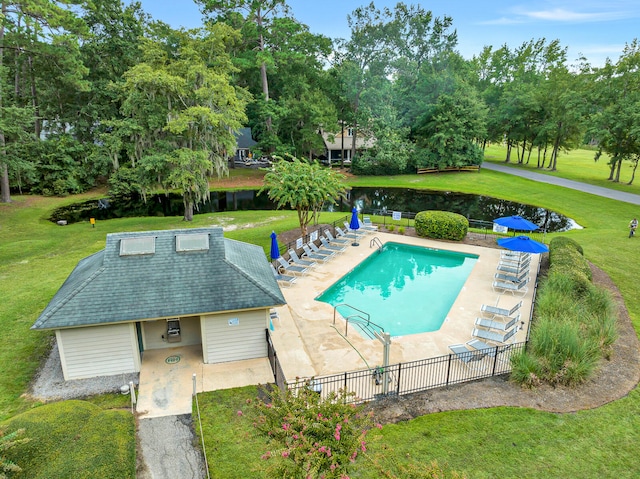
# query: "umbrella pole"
[[355, 241]]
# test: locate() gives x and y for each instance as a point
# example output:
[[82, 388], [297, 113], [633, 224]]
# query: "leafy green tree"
[[304, 187], [615, 124], [180, 98], [450, 130]]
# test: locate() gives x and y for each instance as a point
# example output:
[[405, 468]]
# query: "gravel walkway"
[[49, 383]]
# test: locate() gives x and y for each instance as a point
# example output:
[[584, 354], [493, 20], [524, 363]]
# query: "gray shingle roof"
[[108, 288]]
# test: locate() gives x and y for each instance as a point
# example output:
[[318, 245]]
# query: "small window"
[[137, 246], [349, 131], [192, 242]]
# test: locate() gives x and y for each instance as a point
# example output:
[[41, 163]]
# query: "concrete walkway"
[[574, 185]]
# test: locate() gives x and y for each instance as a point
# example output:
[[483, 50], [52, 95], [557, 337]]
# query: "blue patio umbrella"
[[517, 223], [523, 244], [275, 249], [354, 225]]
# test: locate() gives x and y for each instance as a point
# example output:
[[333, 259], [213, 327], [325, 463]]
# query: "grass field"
[[36, 256]]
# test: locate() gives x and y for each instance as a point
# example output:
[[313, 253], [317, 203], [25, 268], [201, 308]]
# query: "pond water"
[[368, 200]]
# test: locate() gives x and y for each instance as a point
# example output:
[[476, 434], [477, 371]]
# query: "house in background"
[[338, 146], [244, 142], [162, 289]]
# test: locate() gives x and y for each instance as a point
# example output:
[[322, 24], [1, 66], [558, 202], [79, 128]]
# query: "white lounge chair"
[[496, 311], [487, 349], [494, 336], [512, 278], [514, 263], [467, 356], [497, 325], [290, 268], [342, 234], [295, 259], [513, 269], [331, 238], [328, 246], [514, 255], [283, 278], [311, 255], [513, 288], [370, 227], [361, 231], [322, 251]]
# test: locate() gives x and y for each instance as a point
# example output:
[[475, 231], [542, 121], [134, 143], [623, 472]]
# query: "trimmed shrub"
[[565, 242], [441, 225], [567, 259]]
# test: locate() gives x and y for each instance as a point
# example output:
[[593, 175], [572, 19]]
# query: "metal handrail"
[[365, 320], [375, 241]]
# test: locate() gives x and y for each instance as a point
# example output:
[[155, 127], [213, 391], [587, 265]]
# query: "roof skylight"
[[137, 246], [192, 242]]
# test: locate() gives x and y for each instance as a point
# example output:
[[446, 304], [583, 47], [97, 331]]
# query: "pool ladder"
[[375, 241], [361, 319]]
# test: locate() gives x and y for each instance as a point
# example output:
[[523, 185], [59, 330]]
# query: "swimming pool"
[[405, 289]]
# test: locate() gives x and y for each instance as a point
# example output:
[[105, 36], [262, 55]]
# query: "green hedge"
[[566, 256], [441, 225], [565, 242]]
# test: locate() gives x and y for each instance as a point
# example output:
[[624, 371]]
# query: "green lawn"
[[579, 165], [36, 256]]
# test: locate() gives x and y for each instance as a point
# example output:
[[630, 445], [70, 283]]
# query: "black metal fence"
[[278, 375], [405, 378], [403, 218]]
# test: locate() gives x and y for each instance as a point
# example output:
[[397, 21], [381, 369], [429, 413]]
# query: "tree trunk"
[[633, 171], [508, 158], [5, 194], [34, 100], [188, 209], [617, 180]]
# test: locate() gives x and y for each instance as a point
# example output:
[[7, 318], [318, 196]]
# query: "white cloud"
[[562, 15]]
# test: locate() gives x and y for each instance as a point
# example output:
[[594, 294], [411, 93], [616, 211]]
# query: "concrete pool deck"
[[308, 344]]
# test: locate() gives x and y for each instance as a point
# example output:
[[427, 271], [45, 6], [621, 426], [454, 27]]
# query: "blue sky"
[[594, 28]]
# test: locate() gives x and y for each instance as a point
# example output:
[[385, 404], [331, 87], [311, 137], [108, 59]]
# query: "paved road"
[[574, 185]]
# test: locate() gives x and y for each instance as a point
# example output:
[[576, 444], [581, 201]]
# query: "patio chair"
[[332, 239], [290, 268], [513, 269], [328, 246], [514, 255], [342, 234], [514, 263], [512, 278], [369, 227], [311, 255], [497, 325], [368, 224], [295, 259], [487, 349], [496, 311], [361, 231], [322, 251], [494, 336], [513, 288], [467, 356], [283, 278]]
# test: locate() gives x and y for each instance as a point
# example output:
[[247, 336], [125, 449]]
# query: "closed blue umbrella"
[[523, 244], [275, 249], [517, 223], [354, 225]]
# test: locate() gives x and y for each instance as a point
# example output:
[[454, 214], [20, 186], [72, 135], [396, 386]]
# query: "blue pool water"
[[405, 289]]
